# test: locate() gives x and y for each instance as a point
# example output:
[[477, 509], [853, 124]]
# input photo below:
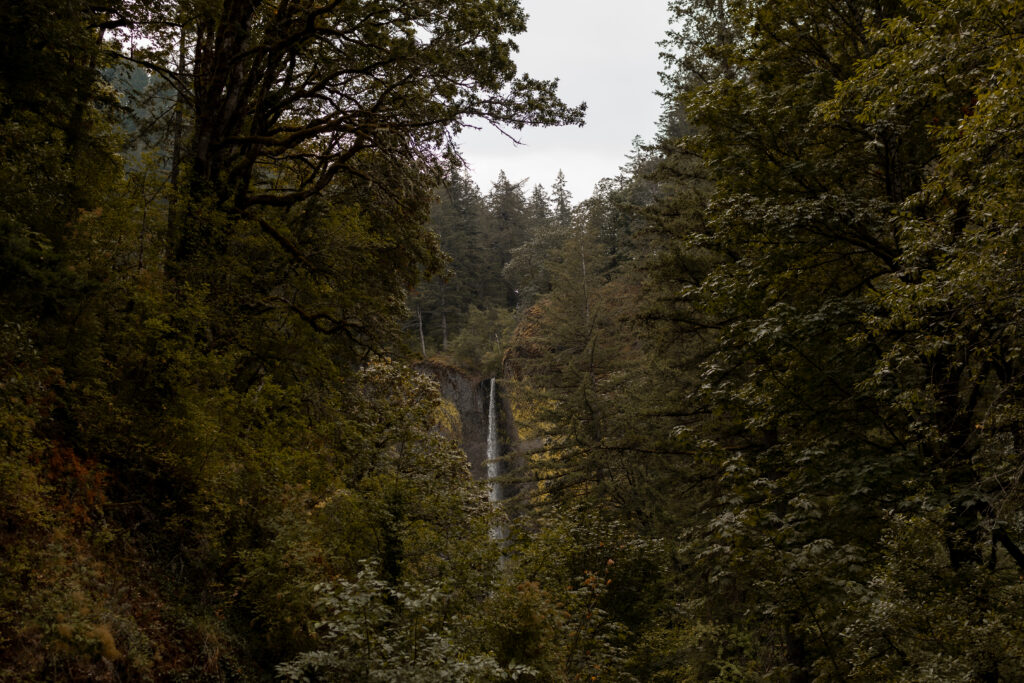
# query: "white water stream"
[[493, 448], [494, 493]]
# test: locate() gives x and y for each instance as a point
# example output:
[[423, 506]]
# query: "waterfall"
[[495, 493], [488, 436], [493, 448]]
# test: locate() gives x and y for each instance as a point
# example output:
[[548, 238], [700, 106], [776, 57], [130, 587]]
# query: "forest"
[[767, 382]]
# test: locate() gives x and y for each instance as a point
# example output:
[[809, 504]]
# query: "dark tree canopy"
[[285, 96]]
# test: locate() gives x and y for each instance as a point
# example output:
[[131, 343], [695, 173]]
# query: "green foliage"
[[575, 588], [460, 220], [922, 620], [481, 344], [825, 285], [374, 631], [23, 392]]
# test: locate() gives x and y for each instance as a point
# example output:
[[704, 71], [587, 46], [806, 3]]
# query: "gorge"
[[488, 432]]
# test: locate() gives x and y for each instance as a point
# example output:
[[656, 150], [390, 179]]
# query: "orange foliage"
[[80, 482]]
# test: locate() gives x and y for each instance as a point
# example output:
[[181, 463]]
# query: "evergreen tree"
[[458, 218], [562, 199], [539, 206], [507, 228], [527, 268]]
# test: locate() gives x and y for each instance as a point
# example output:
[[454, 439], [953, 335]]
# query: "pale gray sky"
[[604, 53]]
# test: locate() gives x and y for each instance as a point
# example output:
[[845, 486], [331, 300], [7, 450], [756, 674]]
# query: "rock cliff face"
[[471, 397]]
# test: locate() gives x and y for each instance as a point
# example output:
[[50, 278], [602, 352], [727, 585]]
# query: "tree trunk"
[[219, 114], [174, 212]]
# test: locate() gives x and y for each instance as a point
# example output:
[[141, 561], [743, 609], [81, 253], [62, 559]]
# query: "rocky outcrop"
[[470, 397]]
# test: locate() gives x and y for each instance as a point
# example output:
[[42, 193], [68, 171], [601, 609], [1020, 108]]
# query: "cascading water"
[[493, 463], [493, 448], [488, 436]]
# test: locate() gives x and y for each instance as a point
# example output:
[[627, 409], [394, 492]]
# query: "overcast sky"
[[604, 53]]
